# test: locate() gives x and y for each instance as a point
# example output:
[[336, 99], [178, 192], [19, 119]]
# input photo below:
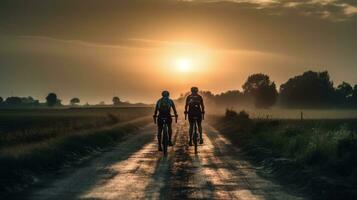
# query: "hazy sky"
[[95, 49]]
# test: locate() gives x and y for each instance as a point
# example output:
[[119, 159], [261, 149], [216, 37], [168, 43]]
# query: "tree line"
[[308, 90], [52, 100]]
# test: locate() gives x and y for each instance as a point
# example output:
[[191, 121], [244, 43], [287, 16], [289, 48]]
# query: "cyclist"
[[163, 107], [195, 108]]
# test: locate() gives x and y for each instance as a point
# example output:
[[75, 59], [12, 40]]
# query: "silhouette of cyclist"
[[163, 107], [195, 108]]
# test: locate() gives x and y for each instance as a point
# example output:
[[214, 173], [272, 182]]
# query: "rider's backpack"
[[194, 104], [164, 106]]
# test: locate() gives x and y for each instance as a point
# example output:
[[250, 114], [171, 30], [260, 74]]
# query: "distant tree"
[[29, 101], [311, 89], [1, 100], [261, 89], [354, 96], [345, 89], [231, 98], [116, 101], [344, 93], [20, 102], [13, 101], [102, 103], [75, 101], [208, 97], [52, 99]]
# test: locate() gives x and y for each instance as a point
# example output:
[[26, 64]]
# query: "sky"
[[95, 49]]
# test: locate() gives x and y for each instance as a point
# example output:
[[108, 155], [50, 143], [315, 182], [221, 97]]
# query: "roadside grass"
[[21, 167], [300, 150], [32, 150]]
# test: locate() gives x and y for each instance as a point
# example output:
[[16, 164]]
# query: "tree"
[[1, 100], [75, 101], [231, 98], [116, 101], [20, 102], [29, 101], [344, 93], [13, 101], [311, 89], [354, 96], [52, 99], [345, 89], [261, 89]]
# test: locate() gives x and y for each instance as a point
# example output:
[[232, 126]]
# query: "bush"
[[113, 118], [231, 114], [241, 117], [241, 120]]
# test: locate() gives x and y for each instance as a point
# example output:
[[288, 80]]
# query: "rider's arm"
[[156, 109], [174, 108], [186, 106], [202, 105]]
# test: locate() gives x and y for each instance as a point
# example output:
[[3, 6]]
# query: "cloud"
[[138, 43], [349, 9], [334, 10]]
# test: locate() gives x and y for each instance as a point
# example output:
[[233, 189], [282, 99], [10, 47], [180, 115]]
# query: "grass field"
[[21, 127], [36, 141], [313, 153]]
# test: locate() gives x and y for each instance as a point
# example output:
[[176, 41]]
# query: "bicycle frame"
[[195, 134], [165, 134]]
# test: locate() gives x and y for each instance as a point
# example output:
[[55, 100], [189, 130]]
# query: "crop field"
[[36, 125], [21, 119], [35, 141]]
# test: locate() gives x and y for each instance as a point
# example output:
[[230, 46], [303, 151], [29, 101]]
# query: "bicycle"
[[165, 134], [195, 134]]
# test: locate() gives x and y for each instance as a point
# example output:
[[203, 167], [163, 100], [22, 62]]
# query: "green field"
[[314, 154]]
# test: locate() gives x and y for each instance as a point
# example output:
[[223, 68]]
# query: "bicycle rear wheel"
[[195, 135], [165, 139]]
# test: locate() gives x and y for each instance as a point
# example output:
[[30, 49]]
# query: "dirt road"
[[135, 170]]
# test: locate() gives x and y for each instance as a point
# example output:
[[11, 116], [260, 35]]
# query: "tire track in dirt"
[[136, 170], [217, 172]]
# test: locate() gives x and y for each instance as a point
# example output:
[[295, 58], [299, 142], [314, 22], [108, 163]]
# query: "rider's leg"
[[169, 126], [159, 130], [199, 125], [191, 131]]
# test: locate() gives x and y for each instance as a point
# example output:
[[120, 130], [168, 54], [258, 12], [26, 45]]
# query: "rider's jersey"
[[163, 106], [195, 105]]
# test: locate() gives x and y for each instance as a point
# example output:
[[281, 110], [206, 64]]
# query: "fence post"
[[301, 115]]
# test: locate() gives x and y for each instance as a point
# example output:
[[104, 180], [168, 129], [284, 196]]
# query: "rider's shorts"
[[192, 118], [160, 120]]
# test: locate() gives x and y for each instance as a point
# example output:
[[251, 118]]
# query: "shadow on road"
[[240, 177]]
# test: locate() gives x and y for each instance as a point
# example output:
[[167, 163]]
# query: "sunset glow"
[[183, 64], [148, 45]]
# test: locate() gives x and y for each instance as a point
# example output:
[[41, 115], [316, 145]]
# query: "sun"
[[183, 64]]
